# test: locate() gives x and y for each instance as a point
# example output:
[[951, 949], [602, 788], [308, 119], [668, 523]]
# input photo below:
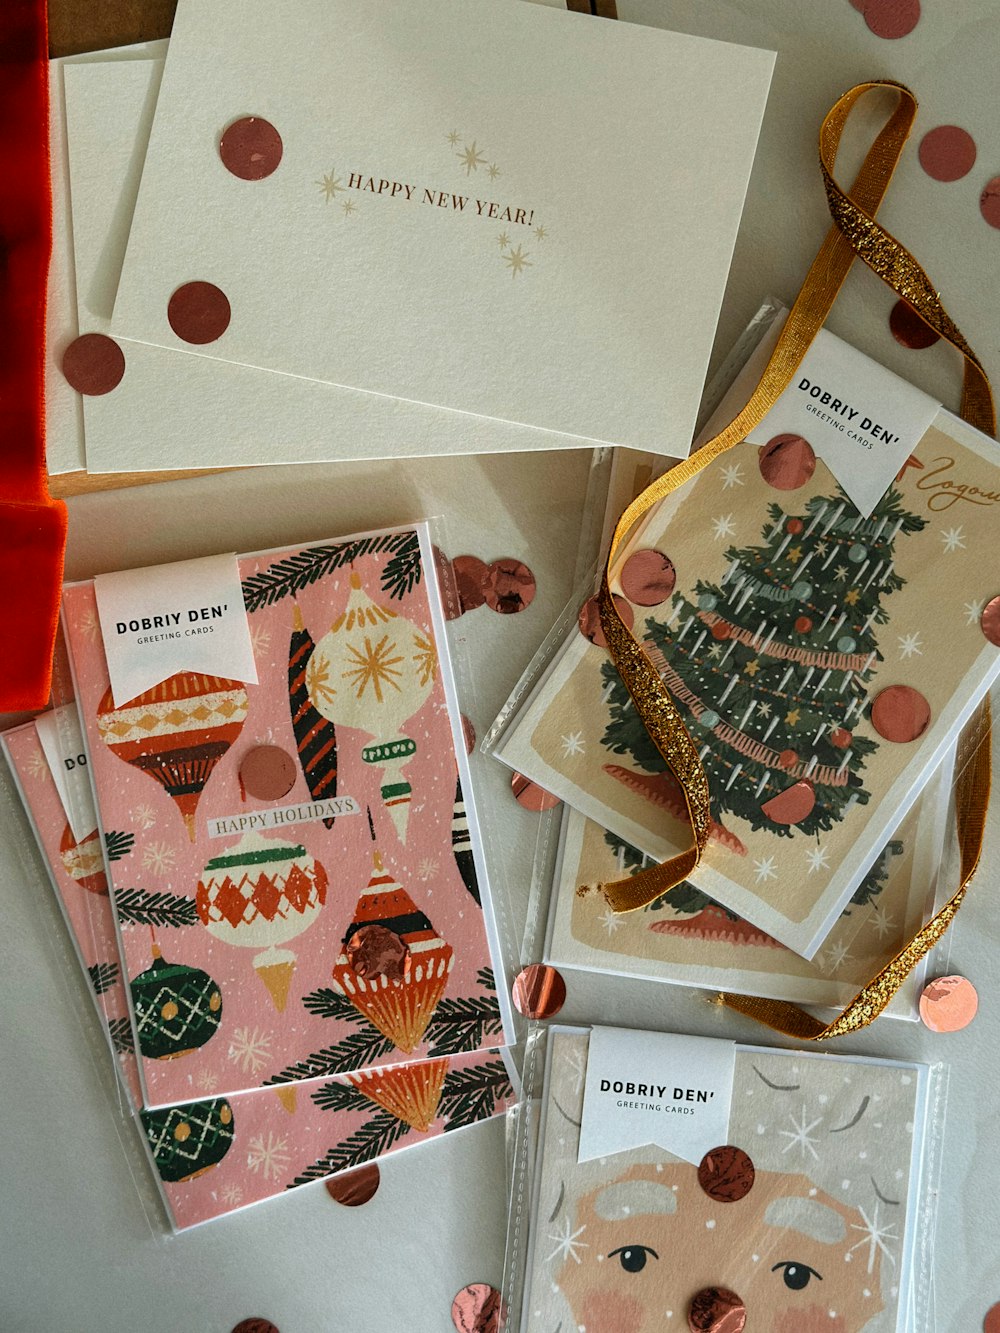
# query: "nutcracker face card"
[[302, 893], [822, 661], [218, 1154], [802, 1219], [685, 938]]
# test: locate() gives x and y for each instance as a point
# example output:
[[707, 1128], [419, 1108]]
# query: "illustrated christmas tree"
[[771, 669]]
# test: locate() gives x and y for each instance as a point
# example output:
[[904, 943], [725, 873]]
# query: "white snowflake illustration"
[[573, 743], [875, 1237], [37, 765], [207, 1082], [576, 1062], [836, 956], [910, 644], [268, 1155], [819, 859], [765, 870], [764, 709], [232, 1195], [610, 921], [159, 857], [821, 548], [973, 612], [260, 639], [89, 626], [953, 539], [144, 816], [732, 476], [427, 869], [723, 526], [840, 573], [882, 923], [800, 1134], [567, 1244], [250, 1048]]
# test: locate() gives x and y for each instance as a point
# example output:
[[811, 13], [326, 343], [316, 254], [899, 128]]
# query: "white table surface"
[[78, 1253]]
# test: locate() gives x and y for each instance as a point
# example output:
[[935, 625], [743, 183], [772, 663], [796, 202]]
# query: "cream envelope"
[[524, 188]]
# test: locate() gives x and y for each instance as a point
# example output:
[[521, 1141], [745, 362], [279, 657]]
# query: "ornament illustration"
[[409, 1092], [260, 894], [372, 672], [187, 1141], [84, 860], [461, 844], [176, 732], [177, 1008], [397, 989], [771, 667], [315, 735]]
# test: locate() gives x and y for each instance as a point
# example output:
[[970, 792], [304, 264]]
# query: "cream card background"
[[620, 303]]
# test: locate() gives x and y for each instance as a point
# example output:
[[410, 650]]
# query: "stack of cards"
[[280, 898]]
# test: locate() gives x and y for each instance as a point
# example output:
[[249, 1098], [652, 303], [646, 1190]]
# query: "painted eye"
[[633, 1257], [797, 1277]]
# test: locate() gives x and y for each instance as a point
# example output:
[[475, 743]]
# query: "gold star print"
[[374, 667], [349, 207], [792, 718], [851, 598], [752, 668], [795, 554], [318, 679], [454, 137], [840, 573], [504, 240], [517, 261], [472, 158], [540, 232], [425, 658], [493, 172], [330, 184]]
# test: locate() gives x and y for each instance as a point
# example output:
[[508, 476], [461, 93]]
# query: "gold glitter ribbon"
[[855, 233]]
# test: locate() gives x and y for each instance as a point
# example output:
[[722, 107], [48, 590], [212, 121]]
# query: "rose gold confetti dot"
[[447, 585], [859, 5], [787, 462], [354, 1188], [589, 619], [948, 1004], [469, 732], [726, 1174], [508, 586], [947, 153], [648, 578], [377, 951], [538, 991], [478, 1309], [93, 364], [716, 1310], [469, 574], [199, 312], [900, 713], [909, 329], [990, 621], [792, 805], [892, 19], [989, 202], [255, 1326], [267, 772], [991, 1320], [250, 148], [530, 795]]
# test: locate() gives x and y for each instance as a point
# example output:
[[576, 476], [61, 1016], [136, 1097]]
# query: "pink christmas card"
[[279, 736], [218, 1154]]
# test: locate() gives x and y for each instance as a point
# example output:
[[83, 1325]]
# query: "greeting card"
[[800, 1218], [823, 661], [215, 1155], [498, 184], [686, 938], [303, 893]]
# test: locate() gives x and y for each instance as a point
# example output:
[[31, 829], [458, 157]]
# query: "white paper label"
[[303, 813], [62, 744], [656, 1088], [861, 419], [188, 616]]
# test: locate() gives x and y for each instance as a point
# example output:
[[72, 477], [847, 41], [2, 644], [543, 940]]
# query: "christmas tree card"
[[218, 1154], [823, 661], [685, 938], [492, 184], [797, 1209], [278, 736]]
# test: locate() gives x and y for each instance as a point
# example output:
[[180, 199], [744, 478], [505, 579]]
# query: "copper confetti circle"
[[468, 734], [478, 1309], [538, 991], [648, 578], [376, 951], [900, 714], [989, 621], [787, 462], [255, 1326], [991, 1320], [353, 1188], [199, 312], [726, 1174], [267, 772], [93, 364], [589, 619], [909, 329], [530, 795], [251, 148], [469, 573], [716, 1310], [508, 586], [948, 1004]]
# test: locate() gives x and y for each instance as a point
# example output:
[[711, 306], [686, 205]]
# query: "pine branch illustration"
[[118, 844], [138, 907], [340, 1097], [103, 976], [365, 1144], [304, 568], [121, 1035], [486, 978], [462, 1024], [472, 1094], [329, 1003], [354, 1052]]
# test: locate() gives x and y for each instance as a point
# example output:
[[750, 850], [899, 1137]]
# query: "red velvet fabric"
[[32, 524]]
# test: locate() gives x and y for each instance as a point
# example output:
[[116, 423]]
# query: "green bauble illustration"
[[187, 1141], [177, 1008]]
